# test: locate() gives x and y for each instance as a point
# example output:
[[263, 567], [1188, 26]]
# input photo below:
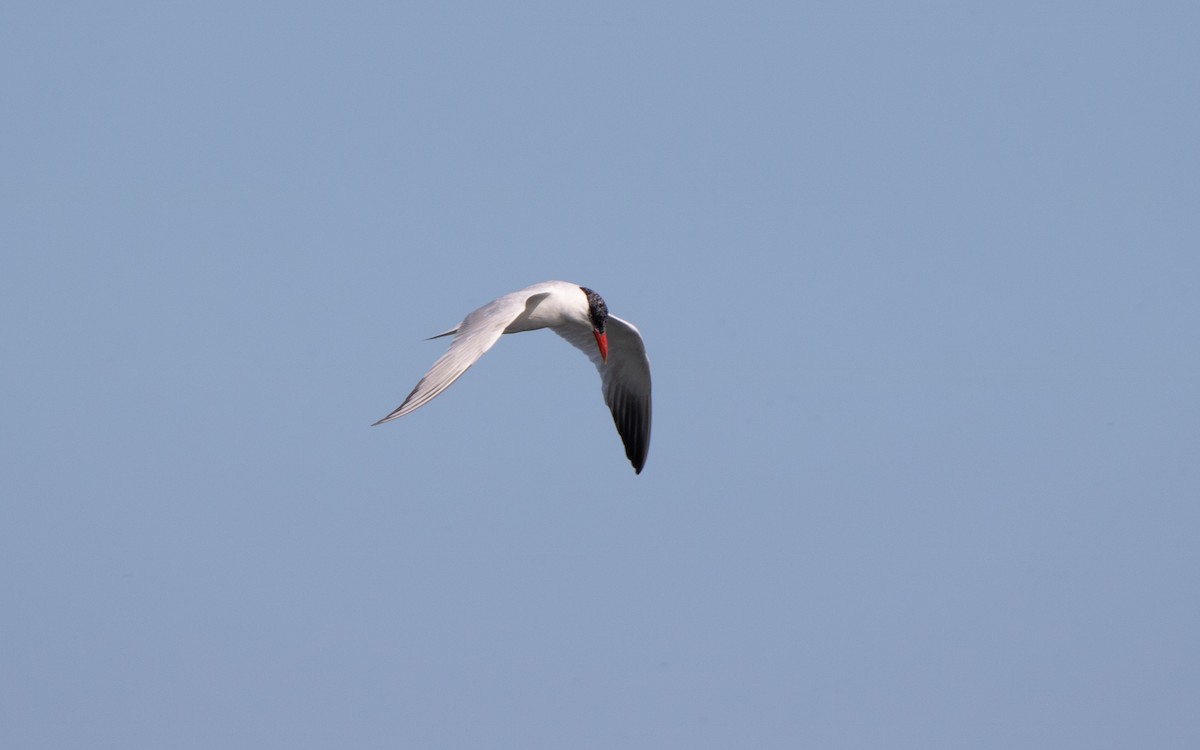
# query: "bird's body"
[[581, 317]]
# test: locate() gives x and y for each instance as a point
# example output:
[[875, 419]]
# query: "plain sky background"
[[920, 286]]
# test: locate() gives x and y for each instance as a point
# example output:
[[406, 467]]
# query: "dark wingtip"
[[634, 432]]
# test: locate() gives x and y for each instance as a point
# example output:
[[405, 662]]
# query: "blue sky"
[[919, 287]]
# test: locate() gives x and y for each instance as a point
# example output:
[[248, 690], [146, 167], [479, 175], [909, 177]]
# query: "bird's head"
[[598, 314]]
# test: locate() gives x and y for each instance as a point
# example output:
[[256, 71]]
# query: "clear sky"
[[920, 287]]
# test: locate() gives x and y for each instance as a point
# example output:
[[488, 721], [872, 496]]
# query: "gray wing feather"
[[472, 337], [624, 380]]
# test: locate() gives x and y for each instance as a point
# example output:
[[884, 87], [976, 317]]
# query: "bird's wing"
[[473, 336], [625, 381]]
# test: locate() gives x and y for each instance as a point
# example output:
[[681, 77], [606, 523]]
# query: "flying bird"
[[580, 316]]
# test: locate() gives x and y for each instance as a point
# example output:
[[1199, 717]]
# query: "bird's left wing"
[[474, 336]]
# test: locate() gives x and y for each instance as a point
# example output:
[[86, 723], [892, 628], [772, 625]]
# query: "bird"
[[575, 313]]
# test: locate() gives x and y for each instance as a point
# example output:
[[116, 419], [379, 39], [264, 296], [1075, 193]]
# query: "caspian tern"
[[580, 316]]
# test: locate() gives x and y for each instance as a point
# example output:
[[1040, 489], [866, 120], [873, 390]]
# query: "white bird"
[[580, 316]]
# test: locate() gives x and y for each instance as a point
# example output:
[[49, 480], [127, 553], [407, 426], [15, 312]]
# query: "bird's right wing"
[[473, 336], [624, 380], [626, 384]]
